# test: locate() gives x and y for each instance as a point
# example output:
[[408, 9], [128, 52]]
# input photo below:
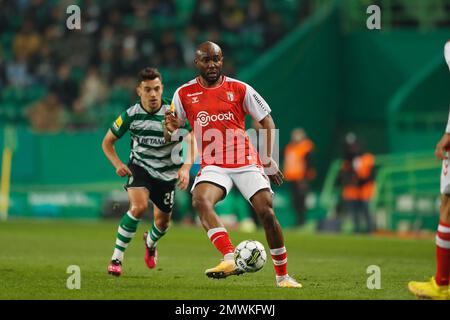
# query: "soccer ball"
[[250, 256]]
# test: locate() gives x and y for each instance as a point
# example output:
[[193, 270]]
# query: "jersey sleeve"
[[447, 129], [447, 53], [447, 59], [177, 105], [121, 124], [255, 105]]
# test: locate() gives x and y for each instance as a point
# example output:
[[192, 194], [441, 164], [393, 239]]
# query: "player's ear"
[[138, 90]]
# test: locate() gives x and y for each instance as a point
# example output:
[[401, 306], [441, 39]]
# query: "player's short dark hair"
[[149, 74]]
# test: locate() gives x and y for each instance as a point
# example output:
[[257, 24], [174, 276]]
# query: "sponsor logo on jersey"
[[194, 94], [204, 118], [118, 123], [259, 102], [152, 141]]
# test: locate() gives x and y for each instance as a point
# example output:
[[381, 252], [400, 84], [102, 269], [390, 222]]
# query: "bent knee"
[[267, 215], [138, 209], [201, 203]]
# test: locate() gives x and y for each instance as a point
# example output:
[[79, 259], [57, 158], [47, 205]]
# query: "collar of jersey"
[[221, 84], [152, 113]]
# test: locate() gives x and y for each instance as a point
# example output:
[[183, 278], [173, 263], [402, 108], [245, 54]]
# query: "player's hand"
[[443, 146], [122, 170], [183, 178], [171, 121], [274, 173]]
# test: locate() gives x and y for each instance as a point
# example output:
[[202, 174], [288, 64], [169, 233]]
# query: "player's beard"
[[211, 79]]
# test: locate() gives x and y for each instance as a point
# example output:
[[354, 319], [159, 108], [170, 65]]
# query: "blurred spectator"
[[140, 20], [114, 17], [18, 73], [2, 70], [65, 87], [356, 177], [80, 117], [206, 14], [27, 42], [93, 89], [189, 44], [53, 37], [305, 9], [105, 54], [231, 16], [128, 64], [274, 29], [255, 17], [213, 34], [44, 67], [91, 16], [229, 68], [119, 37], [171, 52], [47, 115], [78, 49], [163, 8], [298, 170]]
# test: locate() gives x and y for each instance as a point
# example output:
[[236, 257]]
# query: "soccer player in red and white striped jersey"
[[216, 105], [438, 287]]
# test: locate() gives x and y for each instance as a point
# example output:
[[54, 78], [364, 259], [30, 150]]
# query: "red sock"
[[279, 259], [219, 237], [443, 254]]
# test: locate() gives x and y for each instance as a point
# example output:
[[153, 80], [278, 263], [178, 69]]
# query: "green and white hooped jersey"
[[149, 149]]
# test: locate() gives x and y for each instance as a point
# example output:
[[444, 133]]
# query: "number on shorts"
[[168, 198]]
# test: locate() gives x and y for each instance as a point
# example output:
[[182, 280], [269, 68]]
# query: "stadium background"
[[315, 62]]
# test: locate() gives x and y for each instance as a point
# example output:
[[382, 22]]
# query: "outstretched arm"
[[110, 151], [270, 166], [443, 146], [183, 173]]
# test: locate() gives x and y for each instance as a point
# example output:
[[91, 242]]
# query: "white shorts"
[[249, 179], [445, 177]]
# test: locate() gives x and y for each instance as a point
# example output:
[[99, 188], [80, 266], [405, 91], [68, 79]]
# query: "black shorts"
[[162, 193]]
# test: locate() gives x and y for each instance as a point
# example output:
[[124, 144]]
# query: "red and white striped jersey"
[[217, 117]]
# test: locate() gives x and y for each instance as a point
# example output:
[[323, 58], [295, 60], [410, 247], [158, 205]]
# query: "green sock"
[[127, 228], [154, 235]]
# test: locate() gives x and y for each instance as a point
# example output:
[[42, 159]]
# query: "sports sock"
[[443, 254], [127, 228], [220, 239], [279, 259], [154, 235]]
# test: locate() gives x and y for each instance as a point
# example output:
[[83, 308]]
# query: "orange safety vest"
[[363, 166], [295, 161]]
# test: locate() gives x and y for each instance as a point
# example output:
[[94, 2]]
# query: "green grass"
[[34, 257]]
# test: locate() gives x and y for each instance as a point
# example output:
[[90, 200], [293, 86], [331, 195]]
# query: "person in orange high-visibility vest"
[[298, 170], [357, 180]]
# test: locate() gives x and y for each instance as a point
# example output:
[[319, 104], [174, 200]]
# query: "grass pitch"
[[35, 255]]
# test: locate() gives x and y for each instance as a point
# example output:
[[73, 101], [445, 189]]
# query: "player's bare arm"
[[271, 167], [442, 146], [110, 151], [183, 173]]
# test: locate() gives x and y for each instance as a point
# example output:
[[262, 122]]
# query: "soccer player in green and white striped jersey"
[[153, 168]]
